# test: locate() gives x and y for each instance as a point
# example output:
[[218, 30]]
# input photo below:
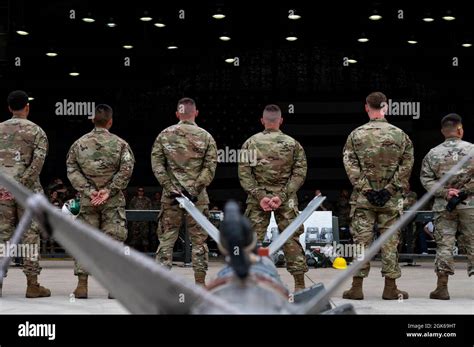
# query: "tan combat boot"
[[391, 292], [33, 288], [299, 282], [355, 293], [441, 291], [200, 278], [81, 291]]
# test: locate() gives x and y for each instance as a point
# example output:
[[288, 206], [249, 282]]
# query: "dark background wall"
[[328, 97]]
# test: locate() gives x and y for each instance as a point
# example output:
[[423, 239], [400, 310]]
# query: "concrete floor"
[[418, 281]]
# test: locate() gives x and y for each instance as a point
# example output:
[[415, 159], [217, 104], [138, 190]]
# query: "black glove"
[[372, 197], [456, 200], [378, 197], [384, 197]]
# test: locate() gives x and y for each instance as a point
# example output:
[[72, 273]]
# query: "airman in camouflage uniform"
[[378, 158], [184, 160], [139, 230], [99, 166], [272, 184], [436, 164], [23, 149]]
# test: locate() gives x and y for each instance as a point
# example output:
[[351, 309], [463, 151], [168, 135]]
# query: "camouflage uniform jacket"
[[23, 149], [100, 160], [378, 155], [439, 161], [184, 157], [280, 167]]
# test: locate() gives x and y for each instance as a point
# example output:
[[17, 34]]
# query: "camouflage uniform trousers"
[[446, 225], [139, 234], [362, 229], [10, 214], [169, 224], [109, 219], [294, 254]]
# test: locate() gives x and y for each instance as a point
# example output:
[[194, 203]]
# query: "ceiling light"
[[375, 15], [127, 46], [52, 54], [449, 16], [351, 61], [172, 47], [291, 38], [294, 16], [30, 98], [22, 32], [428, 19], [466, 45], [88, 19], [218, 15], [412, 42], [146, 19], [224, 38], [230, 60], [74, 74], [111, 25], [363, 39], [160, 25]]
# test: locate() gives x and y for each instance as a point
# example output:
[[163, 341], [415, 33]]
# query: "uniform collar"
[[453, 138], [100, 130], [266, 131], [378, 120], [18, 117], [189, 122]]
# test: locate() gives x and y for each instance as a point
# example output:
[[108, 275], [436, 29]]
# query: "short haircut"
[[451, 121], [186, 106], [17, 100], [272, 113], [103, 113], [376, 100]]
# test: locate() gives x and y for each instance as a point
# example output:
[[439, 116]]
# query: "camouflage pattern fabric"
[[294, 254], [111, 220], [23, 149], [378, 155], [139, 230], [101, 160], [362, 226], [169, 224], [280, 170], [280, 167], [184, 157], [446, 225], [437, 163]]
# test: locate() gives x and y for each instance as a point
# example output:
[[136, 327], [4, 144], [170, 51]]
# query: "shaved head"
[[272, 113], [186, 109], [272, 118]]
